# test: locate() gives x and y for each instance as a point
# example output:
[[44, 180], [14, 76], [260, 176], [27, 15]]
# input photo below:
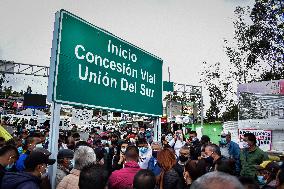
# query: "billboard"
[[34, 101]]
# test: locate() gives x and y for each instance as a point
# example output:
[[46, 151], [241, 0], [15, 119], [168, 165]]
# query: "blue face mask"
[[223, 141], [260, 179], [20, 150], [143, 150], [9, 167]]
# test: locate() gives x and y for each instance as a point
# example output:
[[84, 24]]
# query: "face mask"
[[260, 179], [107, 149], [169, 138], [223, 141], [114, 142], [73, 162], [183, 158], [245, 145], [103, 141], [71, 165], [39, 145], [9, 167], [209, 159], [20, 150], [194, 139], [155, 154], [123, 150], [143, 150], [148, 134]]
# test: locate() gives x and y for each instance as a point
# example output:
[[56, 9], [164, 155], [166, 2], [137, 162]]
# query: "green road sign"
[[168, 86], [91, 67]]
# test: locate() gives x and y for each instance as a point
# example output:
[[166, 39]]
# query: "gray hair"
[[214, 148], [83, 156], [157, 143], [217, 180]]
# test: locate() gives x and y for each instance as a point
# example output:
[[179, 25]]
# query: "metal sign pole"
[[53, 141], [157, 129]]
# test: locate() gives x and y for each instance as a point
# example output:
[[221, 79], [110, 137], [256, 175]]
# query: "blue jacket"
[[21, 180], [20, 163], [153, 166], [234, 152]]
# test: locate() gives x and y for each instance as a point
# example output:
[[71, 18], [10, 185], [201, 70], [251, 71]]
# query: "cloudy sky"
[[184, 33]]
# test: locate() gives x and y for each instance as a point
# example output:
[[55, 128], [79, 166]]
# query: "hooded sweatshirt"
[[21, 180], [123, 178]]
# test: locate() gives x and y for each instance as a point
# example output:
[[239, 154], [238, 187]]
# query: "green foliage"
[[255, 54]]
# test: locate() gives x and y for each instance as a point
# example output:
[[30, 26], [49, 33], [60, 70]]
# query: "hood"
[[12, 180], [131, 164]]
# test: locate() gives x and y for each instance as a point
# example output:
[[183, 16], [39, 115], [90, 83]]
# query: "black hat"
[[42, 150], [65, 153], [35, 158]]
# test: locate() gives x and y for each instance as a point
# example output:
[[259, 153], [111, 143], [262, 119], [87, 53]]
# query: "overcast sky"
[[184, 33]]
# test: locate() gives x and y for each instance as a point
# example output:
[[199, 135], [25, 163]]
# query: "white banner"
[[263, 138]]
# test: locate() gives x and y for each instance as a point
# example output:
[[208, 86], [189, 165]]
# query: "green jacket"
[[249, 160]]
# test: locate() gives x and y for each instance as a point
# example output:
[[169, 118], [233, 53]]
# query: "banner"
[[263, 138]]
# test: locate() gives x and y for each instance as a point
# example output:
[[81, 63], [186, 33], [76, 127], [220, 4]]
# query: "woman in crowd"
[[192, 170], [168, 178]]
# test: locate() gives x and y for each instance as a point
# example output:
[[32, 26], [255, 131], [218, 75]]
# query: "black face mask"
[[209, 160], [155, 154], [114, 142], [183, 158]]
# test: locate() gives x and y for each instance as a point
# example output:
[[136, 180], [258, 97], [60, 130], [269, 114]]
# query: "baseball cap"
[[35, 158], [225, 133], [42, 150], [65, 153]]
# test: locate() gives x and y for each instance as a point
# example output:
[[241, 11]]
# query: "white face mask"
[[245, 145], [169, 137], [123, 150]]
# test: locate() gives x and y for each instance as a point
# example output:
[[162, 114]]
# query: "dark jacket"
[[21, 180], [2, 173], [172, 180], [195, 149]]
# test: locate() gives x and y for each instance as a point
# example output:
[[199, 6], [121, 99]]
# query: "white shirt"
[[144, 158], [176, 145]]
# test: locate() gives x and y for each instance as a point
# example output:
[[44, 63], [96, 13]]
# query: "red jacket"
[[123, 178]]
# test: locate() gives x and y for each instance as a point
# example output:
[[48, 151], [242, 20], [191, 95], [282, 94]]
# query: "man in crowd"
[[195, 145], [36, 164], [184, 156], [8, 156], [213, 151], [123, 178], [145, 153], [153, 162], [177, 142], [64, 164], [119, 157], [230, 150], [251, 156], [217, 180], [29, 145]]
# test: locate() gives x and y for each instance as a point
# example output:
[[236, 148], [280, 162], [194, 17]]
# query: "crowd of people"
[[129, 158]]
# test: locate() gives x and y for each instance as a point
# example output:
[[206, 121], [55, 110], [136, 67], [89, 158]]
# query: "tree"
[[257, 52]]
